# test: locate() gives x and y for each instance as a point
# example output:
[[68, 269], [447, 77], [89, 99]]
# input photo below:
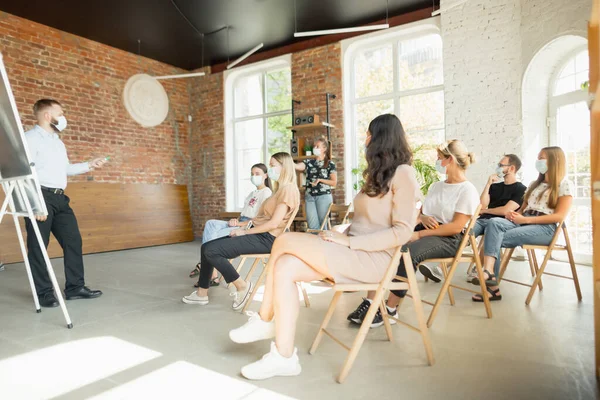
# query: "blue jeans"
[[215, 229], [316, 209], [478, 230], [501, 233]]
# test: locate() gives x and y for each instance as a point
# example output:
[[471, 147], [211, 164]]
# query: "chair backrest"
[[341, 210], [292, 218], [468, 231]]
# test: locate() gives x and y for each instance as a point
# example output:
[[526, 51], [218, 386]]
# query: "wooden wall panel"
[[115, 217]]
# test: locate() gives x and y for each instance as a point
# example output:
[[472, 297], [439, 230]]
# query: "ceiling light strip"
[[248, 54], [180, 75], [342, 30]]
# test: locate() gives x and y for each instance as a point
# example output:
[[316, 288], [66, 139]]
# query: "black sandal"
[[196, 271], [495, 296], [490, 281], [213, 282]]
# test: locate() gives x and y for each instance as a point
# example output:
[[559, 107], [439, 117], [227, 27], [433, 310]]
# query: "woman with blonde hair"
[[546, 203], [269, 223], [384, 217]]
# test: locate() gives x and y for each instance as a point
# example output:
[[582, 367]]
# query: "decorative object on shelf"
[[146, 100], [307, 149]]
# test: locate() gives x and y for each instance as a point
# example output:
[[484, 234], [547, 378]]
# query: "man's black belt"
[[53, 190]]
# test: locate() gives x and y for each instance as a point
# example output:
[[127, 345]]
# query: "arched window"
[[569, 123], [398, 71]]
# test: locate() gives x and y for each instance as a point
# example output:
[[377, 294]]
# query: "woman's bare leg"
[[305, 247], [289, 270]]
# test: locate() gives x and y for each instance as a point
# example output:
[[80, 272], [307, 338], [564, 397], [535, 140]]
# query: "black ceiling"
[[166, 36]]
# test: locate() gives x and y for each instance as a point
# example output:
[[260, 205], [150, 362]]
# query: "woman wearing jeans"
[[321, 177], [270, 222], [215, 229], [546, 203]]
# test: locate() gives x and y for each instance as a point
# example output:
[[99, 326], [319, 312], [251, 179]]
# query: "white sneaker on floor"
[[472, 273], [254, 330], [241, 298], [273, 364], [433, 272], [195, 299]]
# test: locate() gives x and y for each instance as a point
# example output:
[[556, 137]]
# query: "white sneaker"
[[195, 299], [254, 330], [472, 273], [273, 364], [433, 272], [240, 298]]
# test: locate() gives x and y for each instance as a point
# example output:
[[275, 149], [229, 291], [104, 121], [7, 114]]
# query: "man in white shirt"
[[49, 155]]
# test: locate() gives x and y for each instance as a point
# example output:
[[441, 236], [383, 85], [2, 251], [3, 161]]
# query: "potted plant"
[[307, 150]]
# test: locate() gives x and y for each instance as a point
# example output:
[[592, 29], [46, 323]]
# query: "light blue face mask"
[[500, 172], [274, 173], [438, 166], [541, 166]]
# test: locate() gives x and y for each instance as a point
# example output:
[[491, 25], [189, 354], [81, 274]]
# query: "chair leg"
[[450, 292], [360, 337], [445, 289], [572, 262], [538, 277], [386, 321], [251, 271], [484, 292], [416, 295], [536, 268], [328, 315], [238, 269], [304, 294], [504, 262], [260, 279], [530, 259]]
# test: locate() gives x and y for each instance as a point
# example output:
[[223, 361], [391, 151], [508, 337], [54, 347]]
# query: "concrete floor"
[[140, 341]]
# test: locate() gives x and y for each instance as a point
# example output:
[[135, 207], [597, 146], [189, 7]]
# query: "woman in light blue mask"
[[547, 202], [321, 178], [215, 229]]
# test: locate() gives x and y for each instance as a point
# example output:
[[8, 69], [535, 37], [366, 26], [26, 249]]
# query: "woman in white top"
[[546, 203], [446, 210], [215, 228]]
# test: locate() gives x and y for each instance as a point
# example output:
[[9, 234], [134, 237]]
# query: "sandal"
[[490, 281], [213, 282], [495, 296], [196, 271]]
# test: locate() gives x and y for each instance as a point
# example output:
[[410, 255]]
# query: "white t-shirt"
[[254, 201], [538, 200], [445, 199]]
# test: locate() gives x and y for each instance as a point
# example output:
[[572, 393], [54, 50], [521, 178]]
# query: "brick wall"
[[483, 74], [315, 72], [88, 79]]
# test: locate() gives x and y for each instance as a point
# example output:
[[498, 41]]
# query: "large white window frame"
[[554, 103], [230, 78], [351, 49]]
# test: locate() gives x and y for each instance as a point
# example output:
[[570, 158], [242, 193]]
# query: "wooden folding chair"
[[341, 210], [449, 273], [264, 258], [540, 269], [380, 289]]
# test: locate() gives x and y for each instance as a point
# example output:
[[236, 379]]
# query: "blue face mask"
[[438, 166], [274, 173], [500, 172], [541, 166]]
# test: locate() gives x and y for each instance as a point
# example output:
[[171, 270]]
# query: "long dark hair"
[[387, 150], [264, 169], [326, 144]]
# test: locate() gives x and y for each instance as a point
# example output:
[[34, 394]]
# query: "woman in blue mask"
[[546, 203], [214, 228], [321, 178]]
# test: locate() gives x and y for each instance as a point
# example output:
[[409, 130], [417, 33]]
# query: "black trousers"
[[62, 224], [218, 252], [428, 247]]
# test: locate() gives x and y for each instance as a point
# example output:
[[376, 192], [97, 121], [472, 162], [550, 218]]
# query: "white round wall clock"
[[146, 100]]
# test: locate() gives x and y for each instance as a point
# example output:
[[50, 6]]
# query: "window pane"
[[420, 62], [248, 96], [582, 62], [278, 137], [249, 134], [373, 72], [568, 69], [422, 112], [279, 90]]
